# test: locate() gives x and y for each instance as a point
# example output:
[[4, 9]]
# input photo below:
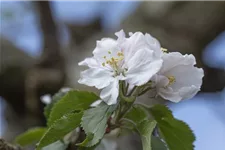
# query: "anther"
[[164, 50], [171, 79]]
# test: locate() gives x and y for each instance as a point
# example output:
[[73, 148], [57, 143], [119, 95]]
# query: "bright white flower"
[[96, 103], [46, 99], [65, 89], [178, 79], [135, 59]]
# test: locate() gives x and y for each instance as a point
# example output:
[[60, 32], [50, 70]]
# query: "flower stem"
[[125, 103]]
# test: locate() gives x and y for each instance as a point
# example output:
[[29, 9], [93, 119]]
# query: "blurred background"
[[42, 42]]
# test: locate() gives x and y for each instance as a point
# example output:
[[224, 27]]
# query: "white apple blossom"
[[178, 78], [134, 59], [46, 99]]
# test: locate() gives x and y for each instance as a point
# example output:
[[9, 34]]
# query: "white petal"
[[185, 76], [90, 62], [131, 33], [138, 41], [177, 96], [121, 36], [153, 44], [65, 89], [96, 103], [103, 47], [97, 77], [188, 79], [110, 93], [169, 94], [159, 81], [141, 67], [140, 58], [173, 59], [46, 99], [188, 92], [133, 44]]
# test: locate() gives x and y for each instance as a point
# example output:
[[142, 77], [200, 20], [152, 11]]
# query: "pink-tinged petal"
[[97, 77], [110, 93]]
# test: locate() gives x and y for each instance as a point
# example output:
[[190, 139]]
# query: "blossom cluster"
[[140, 61]]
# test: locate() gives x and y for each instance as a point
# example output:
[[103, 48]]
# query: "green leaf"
[[55, 98], [31, 136], [136, 114], [145, 130], [72, 101], [94, 123], [158, 144], [160, 111], [176, 133], [60, 128]]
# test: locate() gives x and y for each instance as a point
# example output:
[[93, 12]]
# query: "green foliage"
[[145, 130], [55, 98], [94, 123], [31, 136], [139, 116], [157, 144], [72, 101], [176, 133], [160, 111], [136, 114], [60, 128]]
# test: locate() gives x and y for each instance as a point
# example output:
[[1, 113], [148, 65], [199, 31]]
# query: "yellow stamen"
[[121, 58], [119, 54], [114, 62], [171, 79], [164, 50]]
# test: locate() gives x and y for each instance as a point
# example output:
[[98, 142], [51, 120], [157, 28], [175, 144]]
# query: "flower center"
[[171, 80], [114, 62], [164, 50]]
